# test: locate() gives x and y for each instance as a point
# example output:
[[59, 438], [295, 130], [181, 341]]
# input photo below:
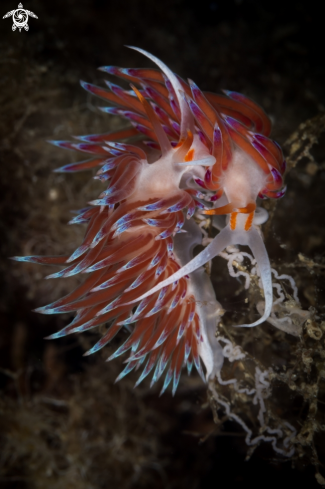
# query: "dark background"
[[64, 422]]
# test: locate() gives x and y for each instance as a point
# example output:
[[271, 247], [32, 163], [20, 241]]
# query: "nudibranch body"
[[197, 150]]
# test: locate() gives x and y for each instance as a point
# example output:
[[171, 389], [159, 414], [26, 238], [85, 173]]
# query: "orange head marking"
[[233, 220], [233, 211], [183, 147], [249, 221], [225, 209], [248, 209], [189, 155]]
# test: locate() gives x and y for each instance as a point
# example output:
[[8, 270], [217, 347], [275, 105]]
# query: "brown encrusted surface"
[[64, 424]]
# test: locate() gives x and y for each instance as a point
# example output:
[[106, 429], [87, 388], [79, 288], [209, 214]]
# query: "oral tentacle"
[[225, 238], [186, 116]]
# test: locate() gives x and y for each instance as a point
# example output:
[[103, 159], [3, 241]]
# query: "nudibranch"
[[195, 150]]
